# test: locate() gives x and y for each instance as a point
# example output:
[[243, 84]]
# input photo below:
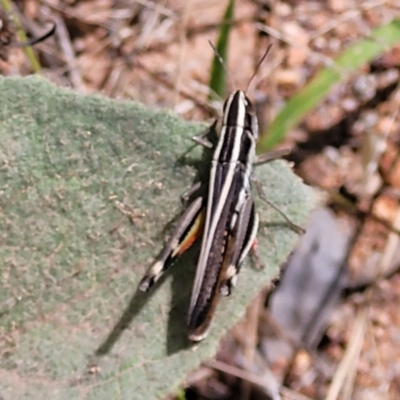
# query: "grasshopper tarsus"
[[187, 194], [256, 256]]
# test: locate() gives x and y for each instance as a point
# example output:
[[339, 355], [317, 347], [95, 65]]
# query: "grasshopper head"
[[239, 111]]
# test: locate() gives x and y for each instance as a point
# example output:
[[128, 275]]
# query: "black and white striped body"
[[223, 214], [230, 220]]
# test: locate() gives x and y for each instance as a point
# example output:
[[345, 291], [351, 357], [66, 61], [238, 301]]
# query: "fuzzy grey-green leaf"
[[87, 185]]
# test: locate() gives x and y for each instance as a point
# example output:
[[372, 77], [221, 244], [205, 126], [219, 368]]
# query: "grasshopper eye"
[[248, 103]]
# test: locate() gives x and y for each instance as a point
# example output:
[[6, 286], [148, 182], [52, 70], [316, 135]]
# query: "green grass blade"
[[181, 394], [362, 52], [218, 74]]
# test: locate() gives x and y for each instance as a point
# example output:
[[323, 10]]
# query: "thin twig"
[[351, 356], [69, 54]]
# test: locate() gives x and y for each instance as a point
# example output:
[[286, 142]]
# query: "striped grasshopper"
[[223, 213]]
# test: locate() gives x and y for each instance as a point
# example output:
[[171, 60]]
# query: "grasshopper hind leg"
[[240, 243], [188, 228]]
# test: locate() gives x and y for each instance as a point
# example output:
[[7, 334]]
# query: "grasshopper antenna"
[[221, 61], [258, 66]]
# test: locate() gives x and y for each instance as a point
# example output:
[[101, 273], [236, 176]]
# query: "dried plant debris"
[[8, 36]]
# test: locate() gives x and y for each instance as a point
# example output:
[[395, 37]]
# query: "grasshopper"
[[223, 213]]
